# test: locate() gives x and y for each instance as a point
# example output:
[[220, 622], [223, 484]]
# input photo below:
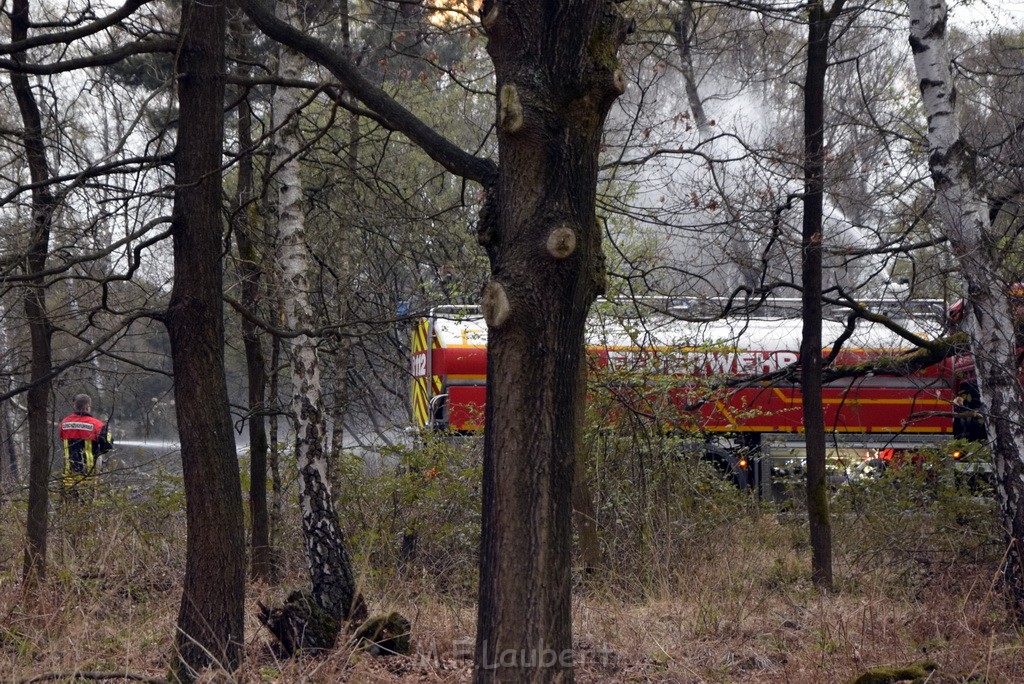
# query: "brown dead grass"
[[737, 608]]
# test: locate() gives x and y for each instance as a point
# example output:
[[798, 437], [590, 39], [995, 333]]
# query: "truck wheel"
[[727, 465]]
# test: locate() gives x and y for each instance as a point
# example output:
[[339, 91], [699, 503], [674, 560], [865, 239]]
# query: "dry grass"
[[732, 605]]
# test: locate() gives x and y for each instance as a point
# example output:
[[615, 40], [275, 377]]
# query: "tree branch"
[[393, 115], [67, 37], [102, 59]]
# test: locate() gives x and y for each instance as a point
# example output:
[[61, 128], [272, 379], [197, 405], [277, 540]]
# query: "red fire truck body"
[[723, 377]]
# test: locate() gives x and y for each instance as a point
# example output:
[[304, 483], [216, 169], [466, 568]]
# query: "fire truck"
[[724, 380]]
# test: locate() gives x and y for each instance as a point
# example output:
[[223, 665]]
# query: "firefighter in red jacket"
[[85, 439]]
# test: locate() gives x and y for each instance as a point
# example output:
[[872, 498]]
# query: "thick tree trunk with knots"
[[557, 76], [962, 207]]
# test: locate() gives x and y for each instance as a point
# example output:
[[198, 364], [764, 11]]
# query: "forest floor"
[[787, 636], [737, 606]]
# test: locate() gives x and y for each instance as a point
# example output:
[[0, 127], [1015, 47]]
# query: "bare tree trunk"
[[343, 358], [210, 629], [741, 250], [276, 484], [343, 348], [557, 76], [682, 27], [9, 475], [9, 469], [819, 24], [583, 503], [40, 329], [339, 407], [330, 568], [244, 215], [962, 207]]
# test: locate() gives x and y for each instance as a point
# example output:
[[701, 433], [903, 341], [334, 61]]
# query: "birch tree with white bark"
[[962, 206], [330, 567]]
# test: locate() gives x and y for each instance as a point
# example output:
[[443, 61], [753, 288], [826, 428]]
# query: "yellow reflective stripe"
[[420, 386], [67, 459], [89, 459], [419, 337], [438, 386], [419, 401]]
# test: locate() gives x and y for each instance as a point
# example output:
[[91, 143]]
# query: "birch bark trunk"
[[963, 209], [330, 568]]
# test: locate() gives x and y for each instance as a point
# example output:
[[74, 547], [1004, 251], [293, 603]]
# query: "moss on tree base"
[[385, 635], [300, 624], [918, 672]]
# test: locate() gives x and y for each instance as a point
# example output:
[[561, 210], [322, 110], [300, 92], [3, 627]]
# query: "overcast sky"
[[985, 13]]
